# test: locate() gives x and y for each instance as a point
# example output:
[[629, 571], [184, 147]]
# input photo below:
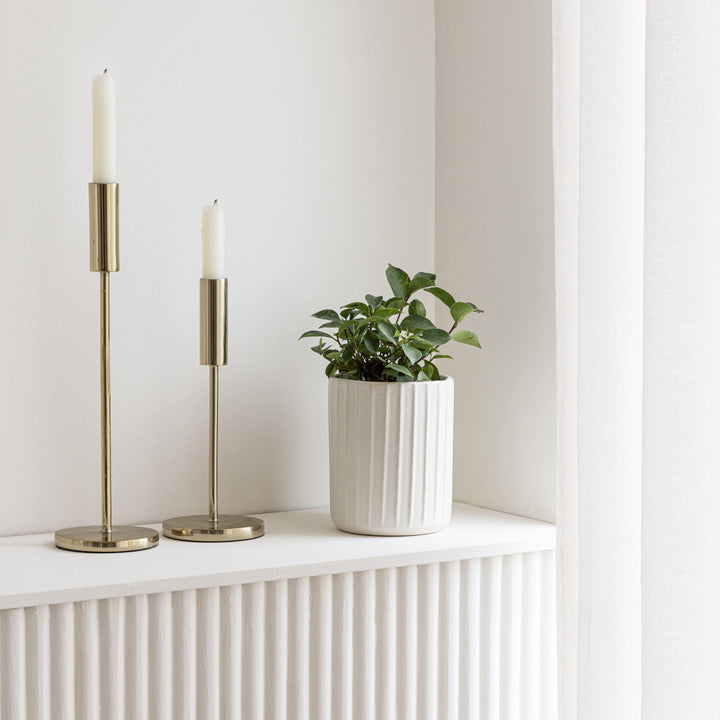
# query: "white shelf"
[[299, 543]]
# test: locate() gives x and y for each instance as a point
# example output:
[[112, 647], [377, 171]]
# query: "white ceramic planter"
[[391, 456]]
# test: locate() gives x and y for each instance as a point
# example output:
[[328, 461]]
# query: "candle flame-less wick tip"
[[216, 202], [105, 71]]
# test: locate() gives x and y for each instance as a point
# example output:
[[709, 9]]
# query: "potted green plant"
[[390, 409]]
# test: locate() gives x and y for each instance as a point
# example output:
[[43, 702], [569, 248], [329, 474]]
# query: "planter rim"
[[443, 378]]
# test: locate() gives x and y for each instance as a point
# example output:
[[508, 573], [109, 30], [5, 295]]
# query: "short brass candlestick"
[[104, 258], [213, 527]]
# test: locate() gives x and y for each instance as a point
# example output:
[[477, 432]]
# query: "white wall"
[[494, 244], [314, 123]]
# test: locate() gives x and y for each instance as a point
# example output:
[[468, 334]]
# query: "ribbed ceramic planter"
[[391, 456]]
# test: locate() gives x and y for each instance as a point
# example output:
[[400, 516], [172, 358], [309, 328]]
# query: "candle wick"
[[105, 71], [216, 202]]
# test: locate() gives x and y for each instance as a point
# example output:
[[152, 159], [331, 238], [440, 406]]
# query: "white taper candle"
[[213, 241], [104, 142]]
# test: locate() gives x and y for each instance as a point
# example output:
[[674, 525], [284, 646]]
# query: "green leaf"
[[373, 300], [315, 333], [387, 330], [432, 371], [332, 324], [420, 343], [459, 310], [320, 349], [467, 337], [371, 342], [400, 369], [475, 308], [398, 280], [442, 295], [437, 336], [416, 322], [330, 369], [411, 353], [427, 276], [362, 307], [326, 315], [440, 357], [418, 283], [395, 302], [384, 313], [422, 376], [417, 308], [346, 353]]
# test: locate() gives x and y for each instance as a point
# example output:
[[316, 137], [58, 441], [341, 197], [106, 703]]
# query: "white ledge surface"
[[297, 543]]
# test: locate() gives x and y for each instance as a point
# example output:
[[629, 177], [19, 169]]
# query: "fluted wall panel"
[[462, 640]]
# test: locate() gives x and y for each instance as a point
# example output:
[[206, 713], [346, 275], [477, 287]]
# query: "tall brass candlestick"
[[104, 258], [213, 527]]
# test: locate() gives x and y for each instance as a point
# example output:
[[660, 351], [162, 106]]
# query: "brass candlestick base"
[[200, 528], [213, 353], [122, 538], [104, 259]]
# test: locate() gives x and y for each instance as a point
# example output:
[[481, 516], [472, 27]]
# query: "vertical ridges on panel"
[[445, 641], [548, 639], [321, 628], [111, 617], [531, 600], [428, 592], [37, 668], [490, 618], [276, 661], [231, 651], [407, 642], [386, 665], [136, 657], [12, 656], [448, 640], [510, 661], [62, 658], [185, 654], [364, 639], [161, 657], [470, 640], [342, 661], [87, 660], [299, 655], [253, 667], [208, 649]]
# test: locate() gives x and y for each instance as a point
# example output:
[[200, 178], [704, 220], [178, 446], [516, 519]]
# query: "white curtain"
[[637, 183]]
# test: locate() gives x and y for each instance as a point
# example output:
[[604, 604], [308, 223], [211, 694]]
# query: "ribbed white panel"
[[461, 640], [390, 456]]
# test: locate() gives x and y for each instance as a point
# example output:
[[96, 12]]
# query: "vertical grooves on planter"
[[402, 472]]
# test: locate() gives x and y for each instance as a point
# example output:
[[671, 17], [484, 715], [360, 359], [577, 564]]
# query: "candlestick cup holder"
[[213, 527], [104, 259]]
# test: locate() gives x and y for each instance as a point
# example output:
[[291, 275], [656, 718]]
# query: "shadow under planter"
[[391, 455]]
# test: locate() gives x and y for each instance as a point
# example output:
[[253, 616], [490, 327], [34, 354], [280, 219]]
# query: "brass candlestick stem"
[[213, 527], [104, 258]]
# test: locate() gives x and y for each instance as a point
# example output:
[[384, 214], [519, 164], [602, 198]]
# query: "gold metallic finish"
[[105, 422], [125, 538], [213, 462], [104, 227], [200, 528], [104, 259], [213, 321], [213, 352]]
